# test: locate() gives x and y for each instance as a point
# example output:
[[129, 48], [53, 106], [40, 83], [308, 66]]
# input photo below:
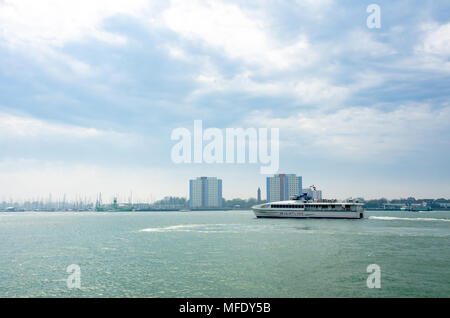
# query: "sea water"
[[223, 254]]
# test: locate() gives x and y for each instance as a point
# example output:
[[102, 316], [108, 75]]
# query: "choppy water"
[[223, 254]]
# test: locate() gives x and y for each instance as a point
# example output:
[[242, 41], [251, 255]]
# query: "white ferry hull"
[[307, 214]]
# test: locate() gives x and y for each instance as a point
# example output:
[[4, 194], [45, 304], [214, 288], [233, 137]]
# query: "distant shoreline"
[[203, 210]]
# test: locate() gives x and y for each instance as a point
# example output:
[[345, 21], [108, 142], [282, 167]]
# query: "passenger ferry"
[[304, 207]]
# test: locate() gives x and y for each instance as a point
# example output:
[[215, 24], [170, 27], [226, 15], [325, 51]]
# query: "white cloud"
[[25, 133], [177, 53], [246, 35], [31, 139], [314, 4], [237, 33], [54, 23], [11, 125], [39, 29], [437, 39], [320, 91], [312, 90], [364, 43], [360, 132], [433, 52], [316, 9]]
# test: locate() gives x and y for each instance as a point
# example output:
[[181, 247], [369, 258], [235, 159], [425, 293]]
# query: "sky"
[[90, 92]]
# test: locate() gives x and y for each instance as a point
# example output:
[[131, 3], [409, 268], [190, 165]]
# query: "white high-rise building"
[[281, 187], [195, 193], [205, 192]]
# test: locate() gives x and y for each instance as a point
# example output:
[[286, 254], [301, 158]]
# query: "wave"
[[188, 228], [207, 228], [393, 218], [172, 228]]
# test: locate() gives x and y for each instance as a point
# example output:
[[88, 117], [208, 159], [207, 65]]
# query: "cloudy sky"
[[90, 92]]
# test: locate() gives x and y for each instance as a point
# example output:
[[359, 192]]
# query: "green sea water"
[[223, 254]]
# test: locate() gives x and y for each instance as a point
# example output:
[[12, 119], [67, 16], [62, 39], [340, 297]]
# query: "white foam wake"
[[391, 218], [172, 228], [189, 228]]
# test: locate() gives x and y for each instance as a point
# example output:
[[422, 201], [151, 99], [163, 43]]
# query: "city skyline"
[[131, 197], [91, 92]]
